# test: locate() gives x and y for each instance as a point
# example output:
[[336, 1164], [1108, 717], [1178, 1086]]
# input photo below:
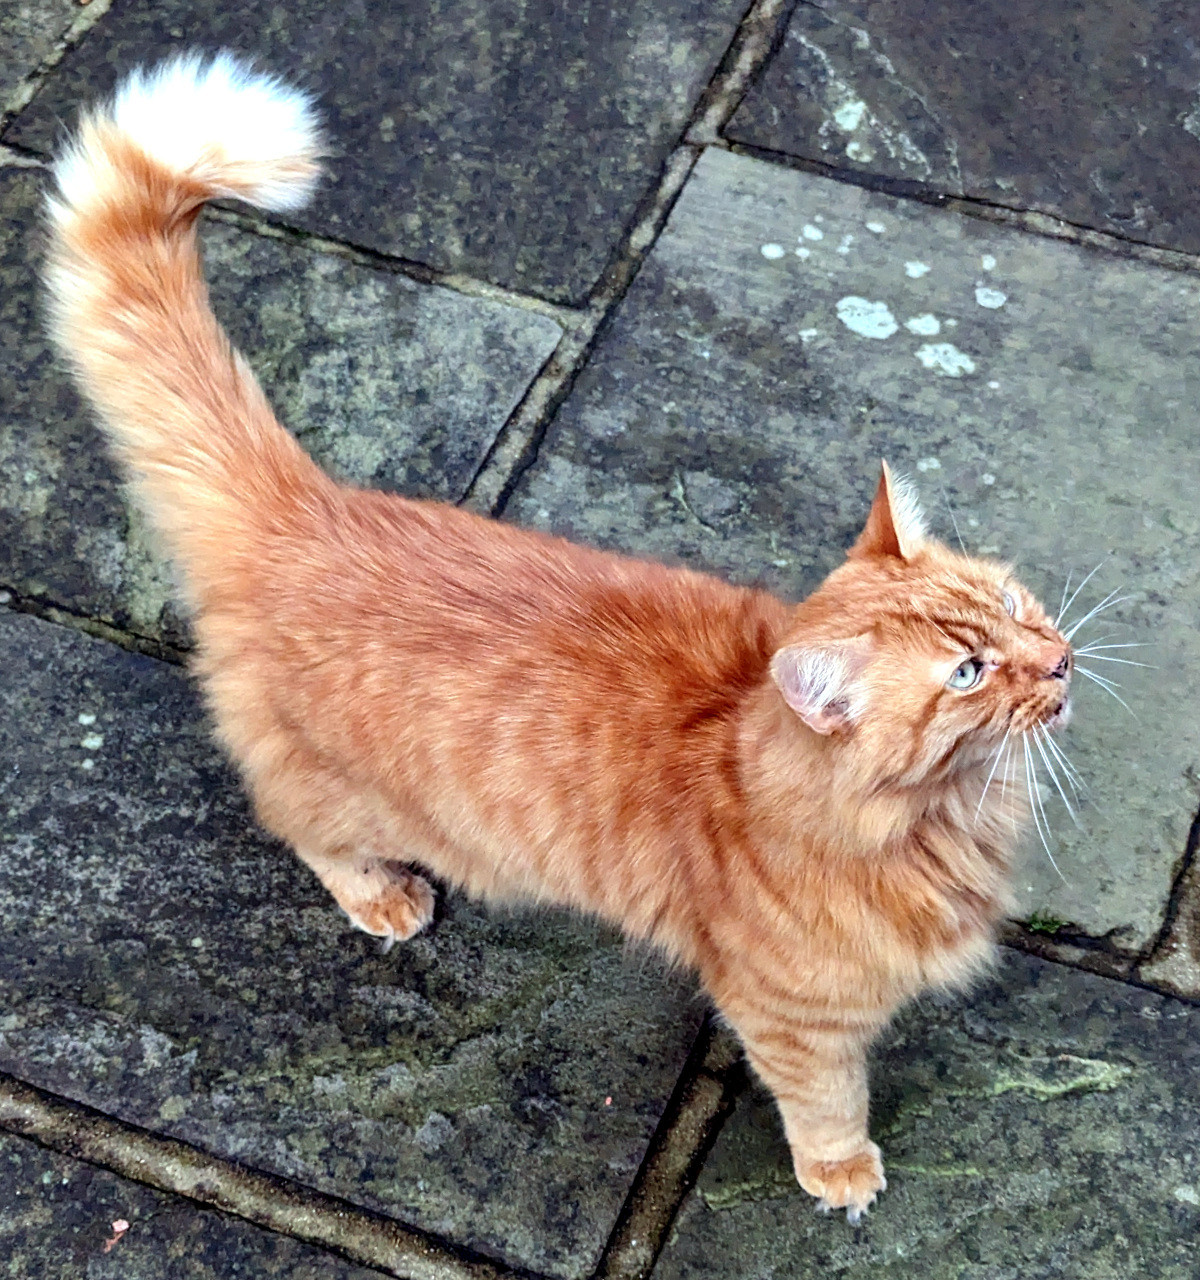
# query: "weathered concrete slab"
[[29, 32], [1087, 111], [1045, 1127], [509, 141], [733, 419], [494, 1081], [388, 382], [57, 1216]]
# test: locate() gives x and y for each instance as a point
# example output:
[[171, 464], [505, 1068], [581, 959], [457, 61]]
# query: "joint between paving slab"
[[378, 260], [1170, 962], [758, 37], [19, 158], [1034, 221], [519, 441], [1179, 885], [705, 1094], [273, 1203], [1072, 947], [89, 15], [19, 602]]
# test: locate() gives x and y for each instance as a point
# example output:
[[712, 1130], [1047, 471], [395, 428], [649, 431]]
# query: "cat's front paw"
[[851, 1184], [400, 907]]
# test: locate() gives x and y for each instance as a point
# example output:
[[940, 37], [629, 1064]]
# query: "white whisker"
[[1092, 646], [1109, 686], [1062, 604], [988, 783], [1107, 603], [954, 520], [1077, 590], [1072, 774], [1037, 742], [1128, 662], [1008, 762], [1035, 805]]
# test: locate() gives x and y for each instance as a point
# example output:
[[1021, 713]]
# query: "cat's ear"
[[822, 682], [895, 526]]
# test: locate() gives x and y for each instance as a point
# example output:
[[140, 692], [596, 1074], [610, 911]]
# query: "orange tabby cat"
[[792, 799]]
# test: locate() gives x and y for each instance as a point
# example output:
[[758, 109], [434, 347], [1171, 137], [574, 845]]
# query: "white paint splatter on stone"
[[990, 298], [92, 742], [844, 245], [987, 478], [772, 251], [801, 252], [877, 227], [926, 325], [86, 717], [988, 262], [915, 270], [859, 151], [993, 385], [849, 115], [807, 335], [929, 464], [809, 232], [866, 318], [945, 358]]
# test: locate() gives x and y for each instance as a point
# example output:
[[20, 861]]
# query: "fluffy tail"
[[129, 308]]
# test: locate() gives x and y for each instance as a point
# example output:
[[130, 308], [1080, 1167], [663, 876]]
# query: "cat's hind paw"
[[851, 1184]]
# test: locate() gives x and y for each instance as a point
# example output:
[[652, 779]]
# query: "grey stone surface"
[[29, 32], [506, 140], [57, 1216], [1044, 1128], [1088, 110], [395, 384], [731, 419], [494, 1081]]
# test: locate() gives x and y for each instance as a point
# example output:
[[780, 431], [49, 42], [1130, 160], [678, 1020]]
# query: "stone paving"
[[670, 277]]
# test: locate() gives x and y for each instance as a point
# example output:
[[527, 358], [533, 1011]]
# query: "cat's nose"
[[1063, 667]]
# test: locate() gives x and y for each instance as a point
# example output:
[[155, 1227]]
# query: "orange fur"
[[788, 798]]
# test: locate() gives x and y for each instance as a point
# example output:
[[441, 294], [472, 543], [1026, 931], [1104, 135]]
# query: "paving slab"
[[509, 141], [29, 32], [1045, 1127], [388, 382], [788, 331], [1086, 110], [57, 1216], [495, 1081]]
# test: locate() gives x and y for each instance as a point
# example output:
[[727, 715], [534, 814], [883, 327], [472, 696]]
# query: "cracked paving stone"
[[1088, 111], [29, 32], [505, 140], [57, 1216], [387, 382], [788, 331], [1044, 1127], [163, 961]]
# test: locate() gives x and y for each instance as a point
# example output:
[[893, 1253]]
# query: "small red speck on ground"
[[120, 1226], [608, 1101]]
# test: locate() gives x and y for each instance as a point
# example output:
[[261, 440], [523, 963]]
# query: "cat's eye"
[[967, 675], [1010, 604]]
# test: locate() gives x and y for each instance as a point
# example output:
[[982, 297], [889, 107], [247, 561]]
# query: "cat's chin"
[[1060, 717]]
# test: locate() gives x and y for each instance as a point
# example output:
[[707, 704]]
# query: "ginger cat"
[[796, 800]]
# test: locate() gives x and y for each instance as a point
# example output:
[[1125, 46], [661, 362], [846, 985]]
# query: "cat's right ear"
[[821, 682], [895, 525]]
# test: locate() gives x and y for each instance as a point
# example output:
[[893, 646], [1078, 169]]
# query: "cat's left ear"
[[895, 526], [822, 682]]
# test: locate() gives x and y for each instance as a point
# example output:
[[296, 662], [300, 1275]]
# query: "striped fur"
[[788, 798]]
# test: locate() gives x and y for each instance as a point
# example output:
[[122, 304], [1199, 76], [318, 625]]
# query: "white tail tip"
[[216, 119]]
